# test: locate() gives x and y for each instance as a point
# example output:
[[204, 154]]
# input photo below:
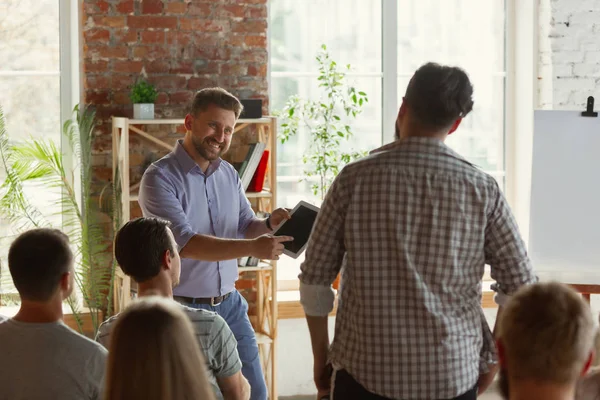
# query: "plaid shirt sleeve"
[[325, 250], [504, 248]]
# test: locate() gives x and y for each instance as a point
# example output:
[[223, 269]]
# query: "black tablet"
[[299, 227]]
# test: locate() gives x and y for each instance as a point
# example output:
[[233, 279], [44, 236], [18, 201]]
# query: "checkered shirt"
[[413, 227]]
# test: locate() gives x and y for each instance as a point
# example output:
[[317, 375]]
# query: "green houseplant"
[[143, 95], [328, 121], [41, 163]]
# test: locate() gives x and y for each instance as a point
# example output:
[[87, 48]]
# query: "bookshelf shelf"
[[264, 274]]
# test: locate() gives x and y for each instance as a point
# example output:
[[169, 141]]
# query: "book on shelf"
[[258, 180], [247, 168]]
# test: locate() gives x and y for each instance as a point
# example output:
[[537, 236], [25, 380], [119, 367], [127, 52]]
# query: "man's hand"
[[278, 216], [322, 375], [268, 247]]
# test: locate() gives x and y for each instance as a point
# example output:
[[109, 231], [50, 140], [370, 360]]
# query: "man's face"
[[175, 260], [211, 132]]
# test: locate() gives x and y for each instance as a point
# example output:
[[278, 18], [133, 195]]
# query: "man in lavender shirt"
[[212, 221]]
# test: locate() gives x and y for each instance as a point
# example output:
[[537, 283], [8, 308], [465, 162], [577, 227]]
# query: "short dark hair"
[[140, 245], [37, 260], [438, 95], [216, 96]]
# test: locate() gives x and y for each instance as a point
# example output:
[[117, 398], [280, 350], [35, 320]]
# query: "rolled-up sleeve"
[[158, 198], [505, 250]]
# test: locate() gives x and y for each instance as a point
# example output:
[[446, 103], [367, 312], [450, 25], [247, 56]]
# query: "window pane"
[[351, 29], [29, 35]]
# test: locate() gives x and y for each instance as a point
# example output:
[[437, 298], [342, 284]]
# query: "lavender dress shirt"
[[196, 202]]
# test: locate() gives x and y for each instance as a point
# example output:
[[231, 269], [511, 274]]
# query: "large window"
[[385, 41], [35, 84]]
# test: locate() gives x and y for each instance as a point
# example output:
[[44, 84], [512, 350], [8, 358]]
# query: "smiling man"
[[212, 221]]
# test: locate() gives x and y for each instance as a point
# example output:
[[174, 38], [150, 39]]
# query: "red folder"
[[258, 180]]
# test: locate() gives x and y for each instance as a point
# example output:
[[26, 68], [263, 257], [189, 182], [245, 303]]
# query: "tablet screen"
[[299, 227]]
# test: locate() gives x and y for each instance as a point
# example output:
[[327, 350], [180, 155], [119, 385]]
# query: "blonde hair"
[[154, 355], [547, 333]]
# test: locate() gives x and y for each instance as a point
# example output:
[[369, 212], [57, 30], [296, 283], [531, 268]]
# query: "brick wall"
[[181, 47], [569, 62]]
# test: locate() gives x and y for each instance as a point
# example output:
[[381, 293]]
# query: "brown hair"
[[547, 333], [154, 355], [216, 96]]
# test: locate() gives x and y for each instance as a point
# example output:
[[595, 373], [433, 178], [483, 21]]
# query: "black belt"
[[213, 301]]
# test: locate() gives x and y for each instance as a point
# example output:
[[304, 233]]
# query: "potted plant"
[[143, 95], [40, 162]]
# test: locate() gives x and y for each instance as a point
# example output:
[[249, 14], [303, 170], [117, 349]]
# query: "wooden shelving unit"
[[265, 320]]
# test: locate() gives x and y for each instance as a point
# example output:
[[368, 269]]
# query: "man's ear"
[[187, 122], [588, 363], [167, 259], [454, 126], [501, 353], [66, 282]]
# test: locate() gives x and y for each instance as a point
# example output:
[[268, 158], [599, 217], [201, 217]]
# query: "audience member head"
[[41, 266], [545, 342], [146, 250], [437, 98], [210, 123], [154, 355]]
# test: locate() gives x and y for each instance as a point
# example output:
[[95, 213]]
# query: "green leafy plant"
[[40, 163], [328, 121], [143, 92]]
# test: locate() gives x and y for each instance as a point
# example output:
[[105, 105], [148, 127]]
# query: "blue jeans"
[[234, 311]]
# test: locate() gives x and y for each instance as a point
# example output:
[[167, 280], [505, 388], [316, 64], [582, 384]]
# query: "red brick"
[[234, 69], [177, 8], [110, 22], [186, 24], [181, 38], [96, 35], [256, 12], [200, 9], [255, 2], [98, 7], [252, 55], [212, 25], [152, 6], [256, 41], [145, 22], [182, 67], [109, 51], [151, 52], [168, 82], [197, 83], [97, 66], [126, 36], [208, 67], [97, 97], [185, 97], [157, 67], [102, 173], [125, 7], [247, 27], [162, 98], [229, 11], [254, 70], [121, 98], [209, 39], [235, 40], [149, 37], [181, 129], [127, 66], [97, 81], [121, 82]]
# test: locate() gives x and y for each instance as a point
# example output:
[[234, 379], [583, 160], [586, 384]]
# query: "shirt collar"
[[188, 164], [422, 145]]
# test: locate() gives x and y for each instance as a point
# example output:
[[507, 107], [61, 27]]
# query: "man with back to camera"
[[146, 251], [415, 224], [212, 221], [41, 357]]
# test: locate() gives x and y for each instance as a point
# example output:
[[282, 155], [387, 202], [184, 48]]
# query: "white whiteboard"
[[564, 232]]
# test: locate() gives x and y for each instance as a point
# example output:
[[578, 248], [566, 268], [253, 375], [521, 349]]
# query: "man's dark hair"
[[216, 96], [140, 245], [37, 260], [438, 95]]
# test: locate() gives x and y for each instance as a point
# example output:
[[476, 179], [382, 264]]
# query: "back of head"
[[216, 96], [37, 260], [547, 334], [140, 245], [154, 354], [438, 95]]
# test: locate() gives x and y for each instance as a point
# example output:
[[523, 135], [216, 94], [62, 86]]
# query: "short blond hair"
[[154, 355], [547, 332]]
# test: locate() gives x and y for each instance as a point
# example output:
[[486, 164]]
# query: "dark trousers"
[[346, 388]]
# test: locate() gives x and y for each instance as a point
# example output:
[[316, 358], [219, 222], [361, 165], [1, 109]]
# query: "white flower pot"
[[143, 111]]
